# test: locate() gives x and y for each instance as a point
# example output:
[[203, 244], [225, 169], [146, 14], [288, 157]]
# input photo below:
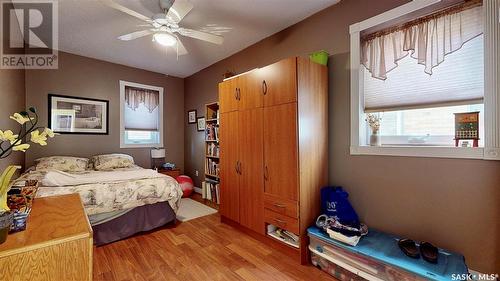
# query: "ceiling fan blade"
[[112, 4], [135, 35], [181, 50], [215, 39], [179, 10]]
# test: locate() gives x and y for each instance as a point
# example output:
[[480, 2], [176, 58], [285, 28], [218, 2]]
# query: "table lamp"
[[157, 153]]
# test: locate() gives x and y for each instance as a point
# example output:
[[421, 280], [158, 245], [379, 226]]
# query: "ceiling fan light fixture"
[[165, 39]]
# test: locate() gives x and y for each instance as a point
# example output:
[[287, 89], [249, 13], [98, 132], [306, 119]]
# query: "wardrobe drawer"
[[281, 221], [281, 206]]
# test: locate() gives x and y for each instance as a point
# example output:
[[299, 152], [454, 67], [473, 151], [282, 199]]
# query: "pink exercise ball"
[[186, 184]]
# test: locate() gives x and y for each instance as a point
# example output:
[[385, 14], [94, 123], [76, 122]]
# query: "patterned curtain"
[[428, 39], [135, 96]]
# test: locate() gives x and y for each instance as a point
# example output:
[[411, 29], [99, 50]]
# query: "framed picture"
[[192, 116], [74, 115], [200, 123]]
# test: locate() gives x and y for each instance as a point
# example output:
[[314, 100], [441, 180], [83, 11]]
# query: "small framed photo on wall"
[[200, 123], [75, 115], [192, 116]]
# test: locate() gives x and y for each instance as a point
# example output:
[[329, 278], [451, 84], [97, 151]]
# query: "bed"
[[119, 197]]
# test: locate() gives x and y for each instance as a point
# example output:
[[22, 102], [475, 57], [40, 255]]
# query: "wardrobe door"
[[250, 91], [280, 151], [228, 95], [279, 82], [229, 166], [251, 169]]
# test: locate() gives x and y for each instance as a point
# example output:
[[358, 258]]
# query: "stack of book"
[[212, 132], [212, 167], [210, 191]]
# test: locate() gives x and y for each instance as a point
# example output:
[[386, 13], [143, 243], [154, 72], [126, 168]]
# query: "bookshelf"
[[210, 187]]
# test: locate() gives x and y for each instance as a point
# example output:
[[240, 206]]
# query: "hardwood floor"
[[197, 197], [200, 249]]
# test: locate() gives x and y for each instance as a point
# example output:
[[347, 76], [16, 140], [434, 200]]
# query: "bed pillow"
[[62, 163], [112, 161]]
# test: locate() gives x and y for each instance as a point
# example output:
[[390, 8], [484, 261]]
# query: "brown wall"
[[451, 203], [85, 77], [11, 100]]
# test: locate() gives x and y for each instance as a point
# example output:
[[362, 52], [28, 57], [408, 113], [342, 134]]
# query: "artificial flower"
[[36, 137], [20, 118], [21, 147], [48, 132], [8, 136]]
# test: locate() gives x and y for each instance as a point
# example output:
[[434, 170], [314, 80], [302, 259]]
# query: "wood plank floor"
[[200, 249]]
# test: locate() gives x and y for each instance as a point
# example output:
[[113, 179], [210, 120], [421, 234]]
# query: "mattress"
[[117, 196]]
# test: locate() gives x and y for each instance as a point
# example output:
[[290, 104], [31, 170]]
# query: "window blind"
[[141, 109], [459, 79], [141, 119]]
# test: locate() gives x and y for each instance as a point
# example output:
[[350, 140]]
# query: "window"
[[141, 115], [426, 126], [410, 101], [416, 73]]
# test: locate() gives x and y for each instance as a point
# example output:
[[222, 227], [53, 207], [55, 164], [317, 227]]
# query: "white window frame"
[[122, 114], [491, 150]]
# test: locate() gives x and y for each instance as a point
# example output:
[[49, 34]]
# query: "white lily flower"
[[8, 136], [21, 147], [48, 132], [20, 119], [36, 137]]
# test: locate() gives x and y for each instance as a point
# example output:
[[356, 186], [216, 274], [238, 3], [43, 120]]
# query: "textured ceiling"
[[89, 28]]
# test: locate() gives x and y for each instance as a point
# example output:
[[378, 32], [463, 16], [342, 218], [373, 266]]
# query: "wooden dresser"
[[56, 245], [273, 148], [173, 173]]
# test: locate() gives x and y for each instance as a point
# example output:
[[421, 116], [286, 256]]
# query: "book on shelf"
[[212, 132], [213, 150], [211, 191], [204, 190], [212, 167]]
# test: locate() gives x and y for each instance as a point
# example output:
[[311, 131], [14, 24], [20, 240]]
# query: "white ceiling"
[[89, 28]]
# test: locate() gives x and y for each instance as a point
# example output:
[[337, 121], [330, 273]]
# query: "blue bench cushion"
[[384, 248]]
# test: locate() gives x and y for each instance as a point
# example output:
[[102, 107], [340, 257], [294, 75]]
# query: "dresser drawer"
[[281, 221], [281, 206]]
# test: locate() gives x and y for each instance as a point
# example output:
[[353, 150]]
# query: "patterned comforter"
[[103, 197]]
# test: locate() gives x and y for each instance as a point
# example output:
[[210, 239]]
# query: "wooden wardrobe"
[[273, 149]]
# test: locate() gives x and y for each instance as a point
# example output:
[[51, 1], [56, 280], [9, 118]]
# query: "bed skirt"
[[139, 219]]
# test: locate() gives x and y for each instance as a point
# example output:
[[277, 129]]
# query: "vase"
[[375, 139], [6, 217], [5, 223]]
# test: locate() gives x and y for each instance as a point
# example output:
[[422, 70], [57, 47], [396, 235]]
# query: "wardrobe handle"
[[239, 163], [236, 167], [239, 94], [266, 174], [264, 87], [279, 205], [280, 221], [236, 93]]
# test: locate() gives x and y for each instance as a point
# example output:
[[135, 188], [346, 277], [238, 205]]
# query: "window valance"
[[428, 39], [135, 96]]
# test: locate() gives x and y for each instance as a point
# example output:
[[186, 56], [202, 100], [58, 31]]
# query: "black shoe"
[[429, 252], [409, 248]]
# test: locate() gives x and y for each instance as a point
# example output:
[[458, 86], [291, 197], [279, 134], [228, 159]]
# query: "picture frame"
[[78, 115], [192, 116], [200, 123]]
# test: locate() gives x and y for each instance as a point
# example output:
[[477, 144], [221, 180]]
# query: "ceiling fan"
[[165, 26]]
